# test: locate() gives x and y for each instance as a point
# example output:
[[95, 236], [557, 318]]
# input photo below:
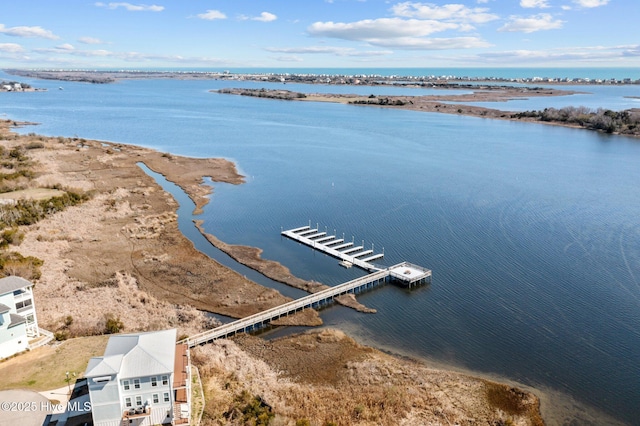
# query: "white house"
[[18, 321], [142, 379]]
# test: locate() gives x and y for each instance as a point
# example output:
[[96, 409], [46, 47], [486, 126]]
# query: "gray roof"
[[13, 283], [4, 308], [16, 320], [136, 355]]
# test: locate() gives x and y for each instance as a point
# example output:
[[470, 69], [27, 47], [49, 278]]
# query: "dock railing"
[[295, 305]]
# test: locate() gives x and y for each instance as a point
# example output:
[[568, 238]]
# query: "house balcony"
[[136, 413], [181, 413], [22, 296]]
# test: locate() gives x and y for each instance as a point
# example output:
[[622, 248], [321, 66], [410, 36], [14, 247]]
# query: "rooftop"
[[136, 355], [13, 283]]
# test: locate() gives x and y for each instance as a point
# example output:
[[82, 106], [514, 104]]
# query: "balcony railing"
[[137, 412]]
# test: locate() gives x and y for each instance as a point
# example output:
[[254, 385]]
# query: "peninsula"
[[615, 122], [115, 258]]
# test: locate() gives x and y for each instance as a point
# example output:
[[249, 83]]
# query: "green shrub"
[[11, 236], [252, 409], [113, 324], [34, 145], [61, 335], [13, 263]]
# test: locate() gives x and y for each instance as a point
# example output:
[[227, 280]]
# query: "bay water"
[[532, 231]]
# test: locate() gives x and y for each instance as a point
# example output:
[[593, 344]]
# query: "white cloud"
[[90, 40], [447, 12], [379, 28], [67, 49], [417, 43], [28, 32], [62, 53], [11, 48], [287, 58], [534, 3], [211, 15], [410, 34], [587, 55], [264, 17], [540, 22], [132, 7], [338, 51], [66, 46], [591, 3]]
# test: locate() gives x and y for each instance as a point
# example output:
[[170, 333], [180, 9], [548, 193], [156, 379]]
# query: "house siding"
[[105, 404], [20, 301], [13, 340]]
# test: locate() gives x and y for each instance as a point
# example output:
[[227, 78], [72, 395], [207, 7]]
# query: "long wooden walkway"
[[313, 300], [404, 272]]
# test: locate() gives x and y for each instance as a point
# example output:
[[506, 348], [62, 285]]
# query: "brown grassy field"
[[324, 378], [45, 368]]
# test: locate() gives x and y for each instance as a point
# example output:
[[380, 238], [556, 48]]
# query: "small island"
[[15, 86], [604, 120]]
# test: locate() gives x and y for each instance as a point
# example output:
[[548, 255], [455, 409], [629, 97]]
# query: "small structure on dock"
[[406, 273], [350, 255], [410, 274]]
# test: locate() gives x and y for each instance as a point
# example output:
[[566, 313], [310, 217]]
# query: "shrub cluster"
[[251, 410], [285, 95], [13, 263], [379, 101], [606, 120], [28, 212]]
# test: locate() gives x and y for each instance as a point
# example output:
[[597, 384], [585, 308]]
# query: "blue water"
[[532, 231]]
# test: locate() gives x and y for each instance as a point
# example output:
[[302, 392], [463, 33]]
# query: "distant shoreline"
[[103, 77], [625, 123]]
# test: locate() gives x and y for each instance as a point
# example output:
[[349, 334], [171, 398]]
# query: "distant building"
[[18, 321], [142, 379]]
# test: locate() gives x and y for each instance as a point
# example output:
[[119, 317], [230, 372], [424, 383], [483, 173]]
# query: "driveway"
[[24, 408]]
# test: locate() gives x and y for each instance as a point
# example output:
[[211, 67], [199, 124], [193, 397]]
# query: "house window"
[[165, 397], [165, 380], [156, 398], [24, 304], [125, 384], [138, 401], [136, 383], [154, 381], [127, 402]]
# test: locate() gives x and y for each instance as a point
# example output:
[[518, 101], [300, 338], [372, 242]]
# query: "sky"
[[221, 34]]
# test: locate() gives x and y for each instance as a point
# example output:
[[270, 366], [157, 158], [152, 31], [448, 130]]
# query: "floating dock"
[[405, 273], [348, 253]]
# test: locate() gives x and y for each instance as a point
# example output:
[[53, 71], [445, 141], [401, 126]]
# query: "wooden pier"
[[405, 273], [315, 300]]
